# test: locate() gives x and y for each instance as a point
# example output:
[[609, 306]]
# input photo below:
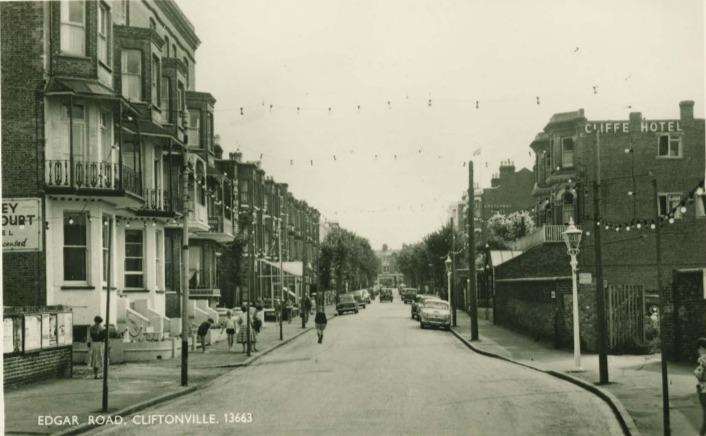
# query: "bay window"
[[75, 246], [134, 255], [155, 81], [132, 74], [165, 98], [73, 27], [103, 26], [194, 130]]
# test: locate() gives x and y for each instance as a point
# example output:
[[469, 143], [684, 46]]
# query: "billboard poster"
[[21, 224], [64, 329], [49, 339], [8, 336], [33, 332]]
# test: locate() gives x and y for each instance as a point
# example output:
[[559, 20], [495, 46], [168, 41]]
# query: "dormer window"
[[73, 28], [132, 74]]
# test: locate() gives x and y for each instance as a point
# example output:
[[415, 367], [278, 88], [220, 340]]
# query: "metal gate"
[[626, 317]]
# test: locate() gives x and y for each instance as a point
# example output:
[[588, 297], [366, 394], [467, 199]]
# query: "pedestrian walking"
[[95, 342], [290, 310], [320, 321], [257, 320], [700, 373], [229, 327], [304, 309], [203, 331], [244, 328]]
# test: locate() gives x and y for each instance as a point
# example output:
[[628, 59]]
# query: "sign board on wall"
[[21, 224], [49, 331], [33, 332], [585, 278], [64, 329]]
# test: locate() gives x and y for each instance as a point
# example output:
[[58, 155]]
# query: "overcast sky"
[[316, 54]]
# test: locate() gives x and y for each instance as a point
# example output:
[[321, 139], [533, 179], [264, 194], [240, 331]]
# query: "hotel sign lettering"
[[624, 127], [21, 224]]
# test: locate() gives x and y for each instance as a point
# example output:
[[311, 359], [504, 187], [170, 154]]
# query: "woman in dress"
[[244, 327], [320, 320], [96, 336], [700, 373]]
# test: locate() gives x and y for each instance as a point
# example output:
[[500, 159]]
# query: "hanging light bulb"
[[639, 226], [671, 220], [627, 228], [682, 209], [71, 221], [652, 226]]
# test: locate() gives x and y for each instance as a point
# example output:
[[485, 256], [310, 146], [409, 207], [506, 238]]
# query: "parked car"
[[407, 294], [436, 313], [386, 295], [359, 297], [346, 303], [418, 302]]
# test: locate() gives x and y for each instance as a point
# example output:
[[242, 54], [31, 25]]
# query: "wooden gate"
[[626, 316]]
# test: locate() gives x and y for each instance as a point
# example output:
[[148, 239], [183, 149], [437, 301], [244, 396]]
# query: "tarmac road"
[[377, 372]]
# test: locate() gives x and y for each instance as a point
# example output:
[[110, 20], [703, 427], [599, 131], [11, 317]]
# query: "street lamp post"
[[572, 239], [449, 265]]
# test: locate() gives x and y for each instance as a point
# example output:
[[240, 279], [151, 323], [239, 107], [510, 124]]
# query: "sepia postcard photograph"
[[353, 217]]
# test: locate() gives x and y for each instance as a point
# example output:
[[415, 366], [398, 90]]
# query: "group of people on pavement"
[[237, 329]]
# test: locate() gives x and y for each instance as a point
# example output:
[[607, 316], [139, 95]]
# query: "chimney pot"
[[686, 110]]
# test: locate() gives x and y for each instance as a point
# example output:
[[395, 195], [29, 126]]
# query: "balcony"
[[162, 202], [100, 178], [544, 234], [220, 229]]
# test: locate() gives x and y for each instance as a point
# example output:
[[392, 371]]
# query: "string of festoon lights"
[[673, 215]]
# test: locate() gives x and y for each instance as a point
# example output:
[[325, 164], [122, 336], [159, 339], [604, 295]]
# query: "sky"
[[415, 87]]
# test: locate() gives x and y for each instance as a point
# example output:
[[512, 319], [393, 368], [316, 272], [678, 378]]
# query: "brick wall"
[[22, 69], [31, 367], [685, 319]]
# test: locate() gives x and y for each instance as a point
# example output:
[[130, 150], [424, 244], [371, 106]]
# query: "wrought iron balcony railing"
[[92, 175]]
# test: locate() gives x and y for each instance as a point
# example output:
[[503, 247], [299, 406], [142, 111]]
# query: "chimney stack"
[[635, 121], [686, 110], [236, 156]]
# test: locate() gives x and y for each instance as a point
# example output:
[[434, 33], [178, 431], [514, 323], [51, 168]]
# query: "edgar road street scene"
[[378, 372]]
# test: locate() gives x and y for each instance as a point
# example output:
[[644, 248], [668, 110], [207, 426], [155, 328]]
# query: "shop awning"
[[293, 268], [498, 257]]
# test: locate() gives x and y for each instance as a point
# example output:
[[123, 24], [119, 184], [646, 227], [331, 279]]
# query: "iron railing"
[[92, 175], [545, 233]]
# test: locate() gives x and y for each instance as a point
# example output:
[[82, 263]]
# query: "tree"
[[347, 258], [507, 228]]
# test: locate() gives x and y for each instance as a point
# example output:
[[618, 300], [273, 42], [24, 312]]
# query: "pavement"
[[635, 380], [377, 372], [129, 384]]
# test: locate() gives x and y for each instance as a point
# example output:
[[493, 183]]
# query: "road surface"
[[377, 372]]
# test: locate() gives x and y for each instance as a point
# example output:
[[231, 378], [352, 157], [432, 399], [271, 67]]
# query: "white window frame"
[[165, 98], [104, 247], [103, 34], [105, 123], [672, 199], [131, 75], [155, 81], [194, 131], [78, 132], [75, 29], [158, 263], [127, 272], [86, 248], [573, 152], [673, 139]]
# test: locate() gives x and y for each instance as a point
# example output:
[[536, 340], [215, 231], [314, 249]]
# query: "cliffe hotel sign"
[[624, 127], [21, 224]]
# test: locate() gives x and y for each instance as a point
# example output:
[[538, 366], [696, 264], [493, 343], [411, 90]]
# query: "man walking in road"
[[305, 309]]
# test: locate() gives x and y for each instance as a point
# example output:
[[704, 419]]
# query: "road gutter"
[[627, 424], [168, 397]]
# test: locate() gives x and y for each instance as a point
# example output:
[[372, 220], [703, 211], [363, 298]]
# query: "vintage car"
[[408, 294], [418, 302], [435, 313], [346, 303], [386, 295]]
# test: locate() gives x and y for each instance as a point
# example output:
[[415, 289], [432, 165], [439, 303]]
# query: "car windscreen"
[[346, 298], [436, 305]]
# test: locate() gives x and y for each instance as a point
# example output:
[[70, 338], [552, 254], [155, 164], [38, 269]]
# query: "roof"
[[498, 257], [565, 117]]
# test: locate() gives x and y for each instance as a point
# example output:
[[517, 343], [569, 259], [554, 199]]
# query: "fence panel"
[[625, 317]]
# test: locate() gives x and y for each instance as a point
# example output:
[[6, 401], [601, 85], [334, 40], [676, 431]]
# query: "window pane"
[[675, 142], [133, 265], [662, 204], [133, 236], [663, 145], [74, 263], [133, 250], [76, 9], [74, 229], [133, 280]]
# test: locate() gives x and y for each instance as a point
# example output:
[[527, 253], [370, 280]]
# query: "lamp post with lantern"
[[449, 265], [572, 239]]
